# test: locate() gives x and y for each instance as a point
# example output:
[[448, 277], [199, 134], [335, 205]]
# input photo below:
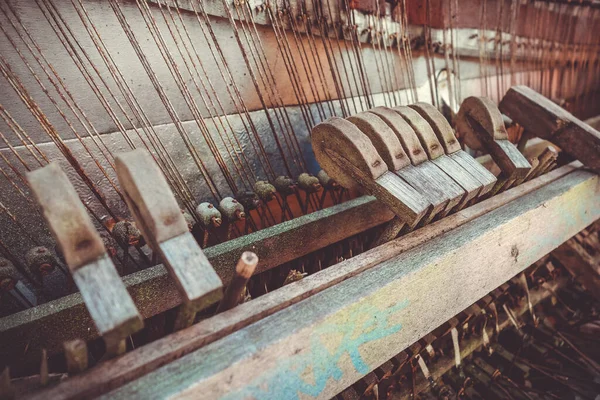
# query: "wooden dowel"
[[44, 369], [76, 355], [7, 391], [243, 271]]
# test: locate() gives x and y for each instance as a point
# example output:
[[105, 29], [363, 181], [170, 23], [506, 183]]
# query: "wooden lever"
[[437, 187], [445, 135], [103, 292], [481, 124], [159, 217], [436, 153], [540, 116], [348, 156]]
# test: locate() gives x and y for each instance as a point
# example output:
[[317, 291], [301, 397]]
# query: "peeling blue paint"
[[365, 323]]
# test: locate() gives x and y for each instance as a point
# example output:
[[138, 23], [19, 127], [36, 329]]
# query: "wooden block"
[[542, 117], [545, 159], [76, 355], [436, 153], [103, 292], [159, 217], [439, 189], [67, 218], [349, 157], [480, 123], [445, 135]]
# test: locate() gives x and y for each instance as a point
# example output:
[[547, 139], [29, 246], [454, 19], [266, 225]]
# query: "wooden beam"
[[153, 292], [141, 361], [319, 346], [540, 116]]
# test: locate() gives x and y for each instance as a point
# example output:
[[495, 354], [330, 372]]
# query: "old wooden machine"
[[299, 198]]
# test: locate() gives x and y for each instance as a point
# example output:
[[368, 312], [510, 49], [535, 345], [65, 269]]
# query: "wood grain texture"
[[66, 216], [547, 120], [486, 113], [423, 130], [319, 346], [110, 306], [441, 127], [134, 364], [482, 174], [344, 139], [149, 196], [458, 174], [387, 145], [153, 291], [404, 132], [407, 203], [194, 276]]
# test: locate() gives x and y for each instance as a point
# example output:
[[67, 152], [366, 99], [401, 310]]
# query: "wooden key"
[[445, 135], [471, 187], [482, 126], [540, 116], [441, 191], [349, 157], [159, 217], [103, 292]]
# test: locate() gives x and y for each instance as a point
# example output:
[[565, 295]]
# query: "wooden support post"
[[7, 391], [349, 157], [480, 123], [159, 217], [76, 355], [105, 296], [243, 271], [542, 117]]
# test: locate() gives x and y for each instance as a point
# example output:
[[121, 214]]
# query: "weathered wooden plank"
[[116, 372], [163, 226], [152, 290], [319, 346], [110, 306], [545, 119]]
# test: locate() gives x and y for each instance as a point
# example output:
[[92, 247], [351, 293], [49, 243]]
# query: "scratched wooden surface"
[[116, 372], [315, 348]]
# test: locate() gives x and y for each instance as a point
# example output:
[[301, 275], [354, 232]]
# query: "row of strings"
[[334, 65]]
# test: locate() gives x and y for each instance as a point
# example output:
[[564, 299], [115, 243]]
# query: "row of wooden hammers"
[[409, 157], [159, 217]]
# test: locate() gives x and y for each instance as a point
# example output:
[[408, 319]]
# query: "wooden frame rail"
[[114, 373], [319, 346]]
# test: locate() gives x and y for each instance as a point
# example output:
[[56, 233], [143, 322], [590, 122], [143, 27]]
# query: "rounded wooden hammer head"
[[338, 138], [440, 126], [487, 114]]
